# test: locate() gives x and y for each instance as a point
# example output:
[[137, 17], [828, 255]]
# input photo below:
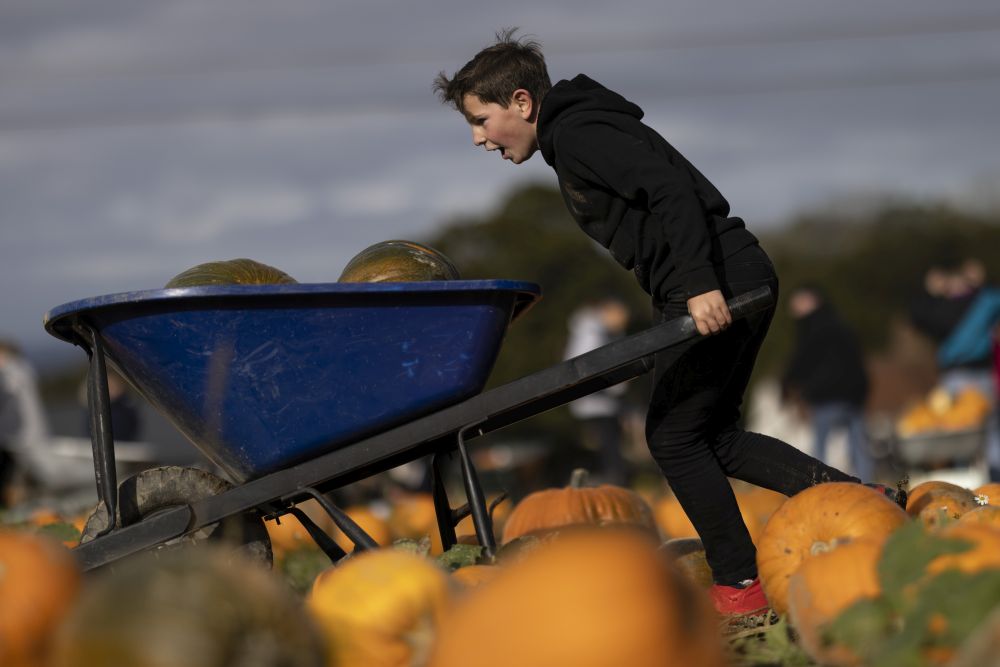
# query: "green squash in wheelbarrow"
[[398, 261], [240, 271]]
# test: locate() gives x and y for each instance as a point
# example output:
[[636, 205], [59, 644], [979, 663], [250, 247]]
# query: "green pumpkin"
[[688, 555], [195, 606], [231, 272], [398, 261]]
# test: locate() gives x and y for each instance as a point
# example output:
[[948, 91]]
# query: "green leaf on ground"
[[60, 531], [863, 626], [952, 605], [301, 567], [768, 645], [907, 553]]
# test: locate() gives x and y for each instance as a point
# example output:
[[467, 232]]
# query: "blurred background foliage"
[[870, 260]]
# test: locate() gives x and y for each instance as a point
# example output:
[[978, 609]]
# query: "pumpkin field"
[[589, 576]]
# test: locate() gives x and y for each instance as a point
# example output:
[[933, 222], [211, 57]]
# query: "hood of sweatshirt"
[[581, 93]]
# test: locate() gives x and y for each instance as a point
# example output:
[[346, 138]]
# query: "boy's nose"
[[478, 136]]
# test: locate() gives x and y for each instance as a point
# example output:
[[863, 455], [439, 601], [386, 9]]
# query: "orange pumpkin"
[[672, 520], [755, 508], [920, 418], [827, 584], [379, 608], [990, 492], [969, 408], [920, 495], [475, 575], [933, 497], [39, 583], [578, 504], [815, 520], [946, 506], [589, 598], [760, 503], [986, 514]]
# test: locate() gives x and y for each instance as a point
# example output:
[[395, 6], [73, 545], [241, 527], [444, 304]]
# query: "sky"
[[138, 139]]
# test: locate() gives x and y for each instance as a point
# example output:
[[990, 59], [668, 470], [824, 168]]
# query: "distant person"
[[27, 433], [965, 340], [947, 293], [10, 424], [826, 371], [600, 413], [964, 351], [125, 419]]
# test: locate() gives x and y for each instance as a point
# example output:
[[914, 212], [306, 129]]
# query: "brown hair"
[[497, 71]]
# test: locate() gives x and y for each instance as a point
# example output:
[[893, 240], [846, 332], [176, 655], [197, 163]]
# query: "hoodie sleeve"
[[628, 166]]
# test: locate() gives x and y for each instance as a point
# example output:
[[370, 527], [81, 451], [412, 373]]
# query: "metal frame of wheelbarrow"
[[436, 434]]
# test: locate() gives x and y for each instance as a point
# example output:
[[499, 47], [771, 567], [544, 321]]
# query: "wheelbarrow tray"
[[260, 377], [960, 445]]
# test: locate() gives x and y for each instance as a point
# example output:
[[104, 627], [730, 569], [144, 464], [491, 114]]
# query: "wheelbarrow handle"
[[750, 302]]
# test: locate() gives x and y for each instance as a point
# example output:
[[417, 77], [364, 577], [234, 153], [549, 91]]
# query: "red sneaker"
[[737, 601]]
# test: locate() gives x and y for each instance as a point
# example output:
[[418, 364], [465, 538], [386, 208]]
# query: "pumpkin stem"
[[579, 478], [820, 548]]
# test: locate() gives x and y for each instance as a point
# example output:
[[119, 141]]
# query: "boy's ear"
[[524, 103]]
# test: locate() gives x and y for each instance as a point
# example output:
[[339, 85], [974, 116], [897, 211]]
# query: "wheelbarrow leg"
[[319, 536], [101, 439], [447, 517], [477, 502], [442, 508], [362, 540]]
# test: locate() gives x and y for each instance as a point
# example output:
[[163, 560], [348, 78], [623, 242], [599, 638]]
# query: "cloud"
[[197, 215], [370, 197]]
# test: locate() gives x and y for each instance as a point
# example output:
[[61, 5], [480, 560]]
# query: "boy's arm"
[[629, 167]]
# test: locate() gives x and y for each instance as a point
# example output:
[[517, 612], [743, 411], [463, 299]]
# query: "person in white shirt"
[[599, 414]]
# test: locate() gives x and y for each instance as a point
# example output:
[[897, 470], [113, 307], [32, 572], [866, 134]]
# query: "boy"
[[658, 216]]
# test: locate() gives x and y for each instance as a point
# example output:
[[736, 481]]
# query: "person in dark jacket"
[[827, 372], [658, 216]]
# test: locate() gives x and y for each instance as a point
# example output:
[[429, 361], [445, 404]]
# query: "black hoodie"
[[634, 193]]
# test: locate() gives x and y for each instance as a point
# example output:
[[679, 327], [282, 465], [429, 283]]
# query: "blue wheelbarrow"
[[294, 391]]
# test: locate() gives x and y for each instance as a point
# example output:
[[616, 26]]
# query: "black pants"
[[693, 430]]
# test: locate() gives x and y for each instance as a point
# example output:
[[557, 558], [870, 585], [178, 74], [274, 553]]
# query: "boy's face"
[[510, 130]]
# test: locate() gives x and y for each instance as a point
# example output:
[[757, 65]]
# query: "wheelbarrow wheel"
[[158, 489]]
